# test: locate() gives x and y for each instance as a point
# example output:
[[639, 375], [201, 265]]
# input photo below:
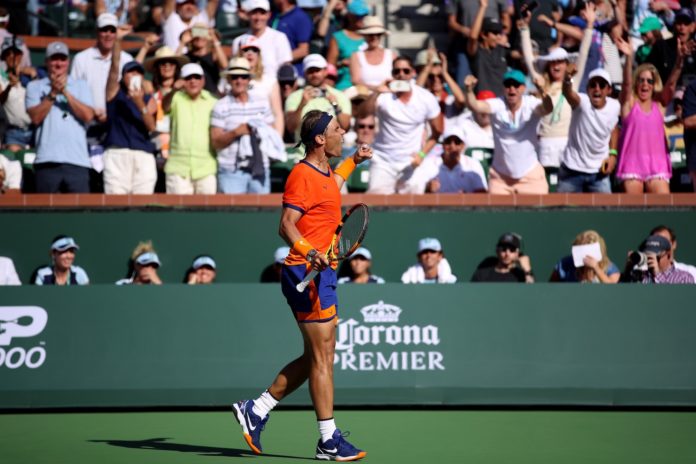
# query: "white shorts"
[[129, 171], [186, 186]]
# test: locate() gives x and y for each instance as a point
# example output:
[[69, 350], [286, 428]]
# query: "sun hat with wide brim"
[[164, 53], [372, 25]]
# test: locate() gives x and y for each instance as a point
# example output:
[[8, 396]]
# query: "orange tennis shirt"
[[315, 194]]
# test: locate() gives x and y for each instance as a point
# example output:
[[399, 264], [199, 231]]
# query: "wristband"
[[346, 168], [613, 152], [302, 246], [421, 154]]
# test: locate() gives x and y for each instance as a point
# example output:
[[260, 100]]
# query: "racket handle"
[[308, 278]]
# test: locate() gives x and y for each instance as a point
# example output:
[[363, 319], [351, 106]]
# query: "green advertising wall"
[[243, 242], [462, 344]]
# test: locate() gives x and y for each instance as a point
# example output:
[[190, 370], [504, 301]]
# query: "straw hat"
[[372, 25], [238, 66], [164, 53]]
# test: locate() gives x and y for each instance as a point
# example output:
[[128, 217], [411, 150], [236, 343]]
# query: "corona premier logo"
[[397, 347], [21, 322]]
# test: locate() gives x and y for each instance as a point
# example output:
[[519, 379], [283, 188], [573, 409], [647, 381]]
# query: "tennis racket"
[[347, 238]]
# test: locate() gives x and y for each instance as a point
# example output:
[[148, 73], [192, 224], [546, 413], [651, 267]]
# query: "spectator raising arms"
[[644, 163], [180, 15]]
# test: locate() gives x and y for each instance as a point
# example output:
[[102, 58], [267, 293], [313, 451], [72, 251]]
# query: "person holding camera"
[[316, 95], [19, 134], [129, 162], [509, 265], [653, 264]]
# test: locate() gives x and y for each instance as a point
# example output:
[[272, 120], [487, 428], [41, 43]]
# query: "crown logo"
[[381, 312]]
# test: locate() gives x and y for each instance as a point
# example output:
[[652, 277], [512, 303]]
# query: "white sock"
[[264, 404], [326, 429]]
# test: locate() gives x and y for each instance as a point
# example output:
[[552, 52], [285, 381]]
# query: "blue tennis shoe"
[[338, 449], [252, 425]]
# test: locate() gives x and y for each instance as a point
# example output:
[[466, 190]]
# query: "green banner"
[[457, 344]]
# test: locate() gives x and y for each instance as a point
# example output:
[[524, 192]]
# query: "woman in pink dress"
[[644, 162]]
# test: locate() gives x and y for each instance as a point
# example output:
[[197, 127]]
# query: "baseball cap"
[[453, 131], [106, 20], [12, 43], [203, 260], [287, 73], [651, 23], [516, 75], [146, 258], [132, 66], [238, 66], [599, 72], [422, 58], [429, 243], [64, 243], [314, 60], [280, 254], [57, 48], [685, 14], [358, 8], [557, 54], [510, 238], [492, 25], [485, 94], [191, 69], [362, 251], [251, 5], [655, 244]]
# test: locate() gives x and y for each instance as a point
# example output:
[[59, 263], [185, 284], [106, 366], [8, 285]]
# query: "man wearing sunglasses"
[[452, 172], [515, 119], [508, 265], [590, 155], [405, 112]]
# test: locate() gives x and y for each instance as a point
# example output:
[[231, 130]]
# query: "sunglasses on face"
[[647, 80], [601, 84], [511, 83], [452, 140], [509, 248], [193, 76], [109, 29], [167, 63], [252, 50], [373, 35], [365, 126], [397, 71], [239, 76]]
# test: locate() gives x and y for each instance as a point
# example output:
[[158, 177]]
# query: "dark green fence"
[[243, 242], [462, 344]]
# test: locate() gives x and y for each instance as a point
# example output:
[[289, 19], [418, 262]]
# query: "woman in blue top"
[[594, 271]]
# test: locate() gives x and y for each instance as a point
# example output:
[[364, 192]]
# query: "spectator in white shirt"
[[515, 119], [274, 45], [180, 15], [8, 274], [454, 173]]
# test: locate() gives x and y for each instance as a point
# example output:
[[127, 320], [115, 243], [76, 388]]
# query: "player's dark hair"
[[309, 123]]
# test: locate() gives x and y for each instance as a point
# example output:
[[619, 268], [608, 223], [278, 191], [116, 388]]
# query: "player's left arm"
[[341, 174]]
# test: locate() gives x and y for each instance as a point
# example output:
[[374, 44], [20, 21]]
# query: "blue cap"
[[362, 251], [516, 75], [655, 244], [64, 243], [132, 66], [204, 260], [429, 243], [358, 8], [149, 257], [685, 13]]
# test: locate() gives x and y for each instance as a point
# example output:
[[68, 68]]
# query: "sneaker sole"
[[328, 457], [239, 417]]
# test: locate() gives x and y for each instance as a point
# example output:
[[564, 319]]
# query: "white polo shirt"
[[89, 65], [402, 125], [275, 49], [515, 137], [589, 134]]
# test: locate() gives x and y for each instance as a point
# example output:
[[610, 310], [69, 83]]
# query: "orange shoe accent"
[[360, 455], [247, 437]]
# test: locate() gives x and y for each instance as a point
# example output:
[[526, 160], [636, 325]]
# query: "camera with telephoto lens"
[[639, 260]]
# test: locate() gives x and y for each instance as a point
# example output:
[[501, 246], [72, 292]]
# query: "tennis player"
[[311, 212]]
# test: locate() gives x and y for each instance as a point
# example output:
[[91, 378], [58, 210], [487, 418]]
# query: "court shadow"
[[161, 444]]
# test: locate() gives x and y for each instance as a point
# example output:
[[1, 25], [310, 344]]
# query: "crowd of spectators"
[[653, 261], [588, 96]]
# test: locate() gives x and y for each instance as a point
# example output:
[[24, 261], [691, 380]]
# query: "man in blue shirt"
[[60, 107], [297, 25]]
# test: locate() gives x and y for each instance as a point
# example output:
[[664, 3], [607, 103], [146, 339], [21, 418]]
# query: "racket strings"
[[352, 232]]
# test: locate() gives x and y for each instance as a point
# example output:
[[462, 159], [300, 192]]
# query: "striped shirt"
[[670, 276], [228, 114]]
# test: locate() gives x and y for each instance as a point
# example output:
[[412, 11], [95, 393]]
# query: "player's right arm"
[[288, 231]]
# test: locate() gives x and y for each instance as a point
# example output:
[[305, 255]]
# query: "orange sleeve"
[[297, 192]]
